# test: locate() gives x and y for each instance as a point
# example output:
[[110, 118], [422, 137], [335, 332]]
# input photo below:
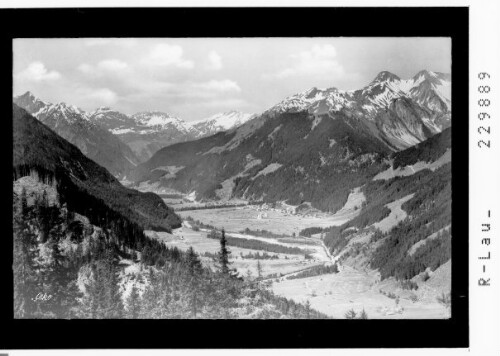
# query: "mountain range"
[[74, 125], [143, 133], [312, 147], [147, 132]]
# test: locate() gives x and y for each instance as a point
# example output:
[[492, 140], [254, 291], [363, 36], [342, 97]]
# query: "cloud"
[[37, 72], [104, 68], [225, 103], [224, 85], [112, 65], [103, 96], [214, 61], [319, 60], [168, 55], [122, 42], [85, 68]]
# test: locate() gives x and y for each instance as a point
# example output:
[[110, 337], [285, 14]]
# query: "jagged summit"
[[29, 101], [386, 76], [81, 129]]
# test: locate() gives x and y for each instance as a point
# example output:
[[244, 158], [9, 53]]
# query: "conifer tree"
[[350, 314], [308, 309], [223, 255], [133, 303], [113, 304], [193, 262], [259, 270]]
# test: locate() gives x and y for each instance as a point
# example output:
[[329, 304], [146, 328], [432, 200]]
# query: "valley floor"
[[239, 218], [335, 294], [355, 287], [332, 294]]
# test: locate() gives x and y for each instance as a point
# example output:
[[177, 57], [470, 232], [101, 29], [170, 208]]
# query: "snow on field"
[[397, 214], [352, 206], [420, 243], [184, 237], [335, 294], [239, 218], [272, 135], [439, 281], [169, 169], [120, 131], [155, 188], [316, 121], [414, 168]]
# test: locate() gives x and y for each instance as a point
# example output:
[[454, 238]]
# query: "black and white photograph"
[[232, 178], [252, 178]]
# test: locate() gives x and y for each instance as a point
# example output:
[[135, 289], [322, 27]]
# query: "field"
[[354, 287], [276, 221], [184, 237], [335, 294]]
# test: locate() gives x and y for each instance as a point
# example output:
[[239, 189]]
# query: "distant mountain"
[[147, 132], [218, 122], [144, 132], [75, 125], [312, 147], [400, 112], [84, 185]]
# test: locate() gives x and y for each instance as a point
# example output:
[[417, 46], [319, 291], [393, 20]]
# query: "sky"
[[193, 78]]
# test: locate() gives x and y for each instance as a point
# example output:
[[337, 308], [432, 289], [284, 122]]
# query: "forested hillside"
[[292, 157], [428, 212], [66, 268], [84, 185]]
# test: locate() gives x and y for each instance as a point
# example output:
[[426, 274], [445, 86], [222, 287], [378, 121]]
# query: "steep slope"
[[83, 184], [312, 147], [292, 156], [74, 125], [401, 212]]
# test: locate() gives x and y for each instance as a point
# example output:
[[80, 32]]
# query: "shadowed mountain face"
[[81, 182], [313, 147], [74, 125]]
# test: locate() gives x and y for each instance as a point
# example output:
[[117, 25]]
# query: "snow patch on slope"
[[268, 169], [414, 168], [397, 214]]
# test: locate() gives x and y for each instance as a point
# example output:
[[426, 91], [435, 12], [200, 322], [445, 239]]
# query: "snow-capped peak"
[[68, 112], [158, 119], [102, 109], [218, 122], [425, 74], [386, 76], [386, 87], [224, 121]]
